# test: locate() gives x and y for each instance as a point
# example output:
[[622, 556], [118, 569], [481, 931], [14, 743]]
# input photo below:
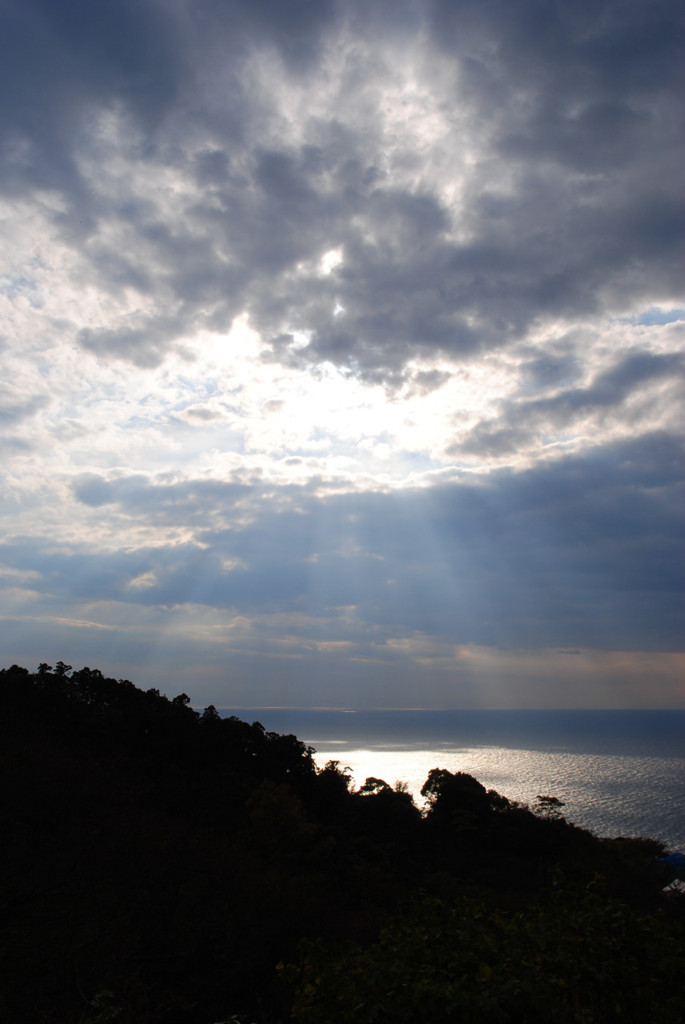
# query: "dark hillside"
[[164, 865]]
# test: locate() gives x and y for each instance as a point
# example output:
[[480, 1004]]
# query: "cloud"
[[624, 392], [13, 411], [582, 551], [560, 152], [354, 329]]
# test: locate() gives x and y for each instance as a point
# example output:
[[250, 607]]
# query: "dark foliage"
[[163, 865]]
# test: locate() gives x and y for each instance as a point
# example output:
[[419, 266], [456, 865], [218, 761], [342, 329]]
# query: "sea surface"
[[619, 773]]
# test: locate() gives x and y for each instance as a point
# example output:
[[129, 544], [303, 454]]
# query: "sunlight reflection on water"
[[610, 794]]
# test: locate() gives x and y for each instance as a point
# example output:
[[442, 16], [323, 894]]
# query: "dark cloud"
[[60, 61], [577, 107], [294, 30], [589, 547], [93, 490], [15, 409], [162, 500], [549, 370], [585, 50], [518, 421]]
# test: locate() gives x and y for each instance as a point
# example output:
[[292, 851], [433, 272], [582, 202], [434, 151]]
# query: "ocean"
[[619, 773]]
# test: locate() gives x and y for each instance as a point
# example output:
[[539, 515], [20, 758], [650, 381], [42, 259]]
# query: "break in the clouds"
[[343, 348]]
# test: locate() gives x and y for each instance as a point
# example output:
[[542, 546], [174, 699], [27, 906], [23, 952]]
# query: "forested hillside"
[[164, 865]]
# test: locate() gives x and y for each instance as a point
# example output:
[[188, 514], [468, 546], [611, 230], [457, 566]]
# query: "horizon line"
[[356, 710]]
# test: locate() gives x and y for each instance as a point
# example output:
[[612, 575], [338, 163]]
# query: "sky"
[[342, 348]]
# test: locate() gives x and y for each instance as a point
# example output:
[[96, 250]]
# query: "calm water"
[[618, 772]]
